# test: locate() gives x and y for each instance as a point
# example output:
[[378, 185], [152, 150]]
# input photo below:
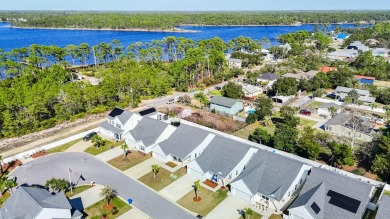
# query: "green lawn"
[[131, 160], [209, 200], [77, 190], [63, 147], [215, 93], [4, 198], [306, 122], [95, 151], [95, 211], [387, 193], [275, 216], [255, 215], [315, 104], [247, 130], [162, 180]]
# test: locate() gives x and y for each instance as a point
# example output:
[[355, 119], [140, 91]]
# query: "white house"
[[251, 91], [364, 95], [270, 180], [38, 203], [222, 160], [327, 194], [147, 133], [234, 63], [358, 46], [119, 121], [324, 109], [184, 145], [384, 208]]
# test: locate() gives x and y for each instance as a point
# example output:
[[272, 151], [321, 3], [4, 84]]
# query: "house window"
[[230, 176], [289, 194], [236, 172], [296, 187], [300, 182], [142, 148], [118, 125], [196, 155]]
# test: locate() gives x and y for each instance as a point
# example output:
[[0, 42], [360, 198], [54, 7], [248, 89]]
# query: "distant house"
[[267, 79], [234, 63], [251, 91], [282, 99], [343, 55], [364, 95], [184, 145], [119, 121], [324, 109], [365, 79], [384, 208], [269, 57], [326, 69], [328, 194], [147, 133], [357, 45], [380, 52], [286, 47], [222, 161], [269, 180], [226, 105], [37, 203], [372, 42], [348, 125], [302, 75]]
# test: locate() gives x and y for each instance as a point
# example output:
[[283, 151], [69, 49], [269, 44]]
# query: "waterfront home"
[[349, 125], [184, 145], [234, 63], [270, 180], [226, 105], [251, 91], [343, 55], [147, 133], [222, 161], [37, 203], [327, 195], [364, 95], [267, 79], [119, 121], [384, 208], [323, 110]]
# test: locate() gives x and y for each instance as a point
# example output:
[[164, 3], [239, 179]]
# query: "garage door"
[[242, 194], [195, 173], [159, 156]]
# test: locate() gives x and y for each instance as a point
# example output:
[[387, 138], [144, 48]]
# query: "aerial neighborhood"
[[279, 115]]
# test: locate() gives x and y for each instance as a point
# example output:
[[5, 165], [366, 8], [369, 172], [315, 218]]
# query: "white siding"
[[106, 132], [299, 213], [194, 169], [132, 122], [159, 154], [240, 190], [53, 213], [240, 166]]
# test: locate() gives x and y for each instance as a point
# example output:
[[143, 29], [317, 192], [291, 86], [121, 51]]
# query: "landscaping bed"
[[77, 190], [63, 147], [4, 198], [254, 215], [11, 165], [39, 154], [209, 200], [96, 210], [132, 159], [163, 178], [210, 183], [171, 164], [109, 145]]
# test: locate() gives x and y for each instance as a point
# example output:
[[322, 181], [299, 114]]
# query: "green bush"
[[251, 118]]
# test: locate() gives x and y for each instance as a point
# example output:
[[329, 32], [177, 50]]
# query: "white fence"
[[362, 107], [48, 146]]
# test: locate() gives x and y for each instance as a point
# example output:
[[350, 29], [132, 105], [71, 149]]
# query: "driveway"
[[56, 165], [179, 188], [79, 146], [86, 198], [110, 154], [134, 213], [229, 208], [142, 168]]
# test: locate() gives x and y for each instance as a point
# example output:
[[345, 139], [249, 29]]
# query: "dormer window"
[[118, 125]]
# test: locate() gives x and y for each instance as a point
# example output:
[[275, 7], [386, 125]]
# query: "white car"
[[171, 101]]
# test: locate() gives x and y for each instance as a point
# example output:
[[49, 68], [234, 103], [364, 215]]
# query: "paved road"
[[56, 165]]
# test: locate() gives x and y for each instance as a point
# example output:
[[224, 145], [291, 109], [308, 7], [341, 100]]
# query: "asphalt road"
[[91, 169]]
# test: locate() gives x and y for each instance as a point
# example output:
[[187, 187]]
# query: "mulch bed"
[[171, 164], [197, 199], [210, 183], [39, 154], [108, 207], [11, 165]]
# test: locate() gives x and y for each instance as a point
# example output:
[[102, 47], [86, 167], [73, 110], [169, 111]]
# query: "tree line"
[[169, 20]]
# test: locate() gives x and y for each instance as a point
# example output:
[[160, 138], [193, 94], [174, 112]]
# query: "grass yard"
[[275, 216], [315, 104], [247, 130], [215, 93], [162, 180], [209, 200], [255, 215], [63, 147], [382, 83], [131, 160], [95, 211], [4, 198], [77, 190], [387, 193], [95, 151], [306, 122]]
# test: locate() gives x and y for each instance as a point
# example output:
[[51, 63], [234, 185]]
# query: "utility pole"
[[70, 181]]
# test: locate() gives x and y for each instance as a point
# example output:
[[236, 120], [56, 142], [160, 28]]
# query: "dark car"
[[89, 136], [305, 112], [218, 87], [199, 216]]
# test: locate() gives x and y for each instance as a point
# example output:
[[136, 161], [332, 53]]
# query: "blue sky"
[[194, 5]]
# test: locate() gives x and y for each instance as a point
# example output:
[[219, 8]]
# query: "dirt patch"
[[39, 154], [11, 165]]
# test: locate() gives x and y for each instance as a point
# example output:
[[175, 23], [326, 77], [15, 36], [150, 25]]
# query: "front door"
[[118, 136]]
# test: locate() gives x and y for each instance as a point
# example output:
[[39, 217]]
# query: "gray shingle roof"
[[148, 130], [270, 174], [384, 208], [251, 89], [320, 182], [110, 127], [183, 141], [341, 89], [268, 77], [223, 101], [27, 202], [222, 155], [123, 115], [329, 105], [348, 120]]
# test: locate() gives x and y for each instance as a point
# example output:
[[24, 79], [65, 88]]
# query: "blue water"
[[11, 38]]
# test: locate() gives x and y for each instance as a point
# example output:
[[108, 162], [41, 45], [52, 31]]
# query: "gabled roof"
[[384, 208], [27, 202], [223, 101], [341, 89], [251, 89], [222, 155], [148, 130], [326, 69], [110, 127], [335, 195], [329, 105], [123, 115], [270, 174], [183, 141], [349, 121], [268, 76]]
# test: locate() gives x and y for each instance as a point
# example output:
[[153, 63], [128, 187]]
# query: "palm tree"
[[332, 111], [98, 141], [248, 212], [108, 193], [57, 185], [196, 189], [155, 169], [9, 184], [124, 147], [373, 105], [267, 121]]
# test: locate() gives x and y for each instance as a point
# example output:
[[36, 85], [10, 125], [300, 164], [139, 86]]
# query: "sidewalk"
[[87, 198], [142, 168], [80, 146], [110, 154], [134, 213], [179, 188]]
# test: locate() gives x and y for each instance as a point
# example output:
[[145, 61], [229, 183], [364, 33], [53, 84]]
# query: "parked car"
[[305, 112], [199, 216], [218, 87], [170, 101], [89, 136], [13, 178]]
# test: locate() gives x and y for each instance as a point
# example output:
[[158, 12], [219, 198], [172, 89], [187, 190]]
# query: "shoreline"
[[257, 25], [175, 30]]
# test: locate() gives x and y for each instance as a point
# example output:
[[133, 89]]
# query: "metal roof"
[[223, 101]]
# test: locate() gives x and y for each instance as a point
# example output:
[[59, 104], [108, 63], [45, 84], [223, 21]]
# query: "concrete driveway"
[[110, 154], [142, 168], [88, 197], [229, 208], [56, 165], [79, 146], [179, 188]]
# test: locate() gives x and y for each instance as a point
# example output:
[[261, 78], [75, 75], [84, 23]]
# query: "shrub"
[[251, 118]]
